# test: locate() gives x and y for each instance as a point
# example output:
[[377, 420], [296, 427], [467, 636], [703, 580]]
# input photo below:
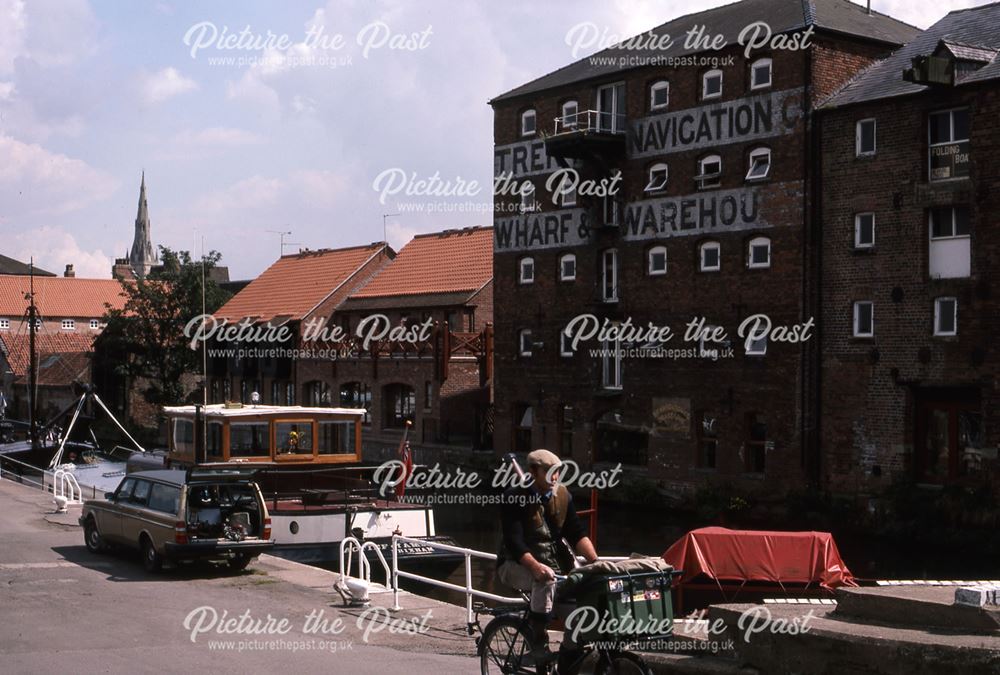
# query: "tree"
[[144, 341]]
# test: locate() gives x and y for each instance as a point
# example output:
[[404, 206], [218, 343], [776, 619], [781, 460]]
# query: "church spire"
[[142, 256]]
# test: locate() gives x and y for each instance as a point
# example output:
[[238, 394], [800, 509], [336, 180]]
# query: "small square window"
[[759, 254], [569, 115], [527, 271], [760, 74], [760, 164], [657, 178], [657, 260], [864, 319], [710, 257], [565, 344], [757, 346], [4, 324], [568, 198], [659, 95], [524, 342], [710, 172], [68, 324], [864, 230], [946, 316], [567, 267], [711, 84], [865, 138], [94, 324], [528, 123]]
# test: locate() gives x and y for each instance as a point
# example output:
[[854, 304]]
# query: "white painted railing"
[[65, 485]]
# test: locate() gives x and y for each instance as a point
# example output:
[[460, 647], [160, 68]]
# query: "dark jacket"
[[534, 524]]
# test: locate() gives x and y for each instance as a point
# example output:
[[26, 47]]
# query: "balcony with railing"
[[588, 135]]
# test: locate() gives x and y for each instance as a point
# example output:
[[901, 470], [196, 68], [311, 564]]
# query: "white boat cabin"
[[266, 433]]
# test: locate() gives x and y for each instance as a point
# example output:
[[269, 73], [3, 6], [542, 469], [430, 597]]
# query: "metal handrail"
[[64, 481], [591, 120]]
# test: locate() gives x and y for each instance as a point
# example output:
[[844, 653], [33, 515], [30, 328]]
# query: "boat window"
[[164, 498], [249, 439], [215, 439], [336, 438], [294, 438], [183, 436]]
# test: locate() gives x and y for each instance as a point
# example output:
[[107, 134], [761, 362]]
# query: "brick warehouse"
[[712, 218], [911, 192]]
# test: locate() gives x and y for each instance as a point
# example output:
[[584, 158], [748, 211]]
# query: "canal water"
[[626, 529]]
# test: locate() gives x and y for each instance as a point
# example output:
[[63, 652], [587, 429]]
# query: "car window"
[[141, 493], [125, 490], [164, 498]]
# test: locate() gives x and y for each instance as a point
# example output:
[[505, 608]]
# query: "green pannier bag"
[[623, 606]]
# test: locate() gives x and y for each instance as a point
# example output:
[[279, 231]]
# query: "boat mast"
[[32, 358]]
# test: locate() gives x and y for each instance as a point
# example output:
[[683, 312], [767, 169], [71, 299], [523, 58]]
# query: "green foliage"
[[145, 339]]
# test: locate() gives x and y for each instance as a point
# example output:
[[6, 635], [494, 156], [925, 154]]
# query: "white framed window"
[[565, 344], [948, 222], [567, 267], [709, 172], [948, 144], [528, 126], [659, 95], [609, 275], [527, 197], [707, 346], [864, 137], [526, 271], [864, 319], [710, 256], [864, 230], [760, 164], [68, 324], [711, 84], [611, 364], [570, 111], [946, 316], [757, 347], [657, 178], [524, 343], [4, 324], [760, 74], [759, 253], [568, 197], [950, 246], [657, 260], [95, 324], [38, 324]]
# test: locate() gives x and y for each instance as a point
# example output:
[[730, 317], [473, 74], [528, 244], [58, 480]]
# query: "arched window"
[[316, 393], [657, 178], [570, 110], [710, 256], [400, 402], [659, 95], [528, 122], [357, 395], [567, 267], [657, 258], [526, 271], [759, 253], [709, 171], [760, 74], [711, 84], [760, 164]]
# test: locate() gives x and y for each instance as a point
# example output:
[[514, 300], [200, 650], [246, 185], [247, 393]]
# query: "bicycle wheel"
[[622, 663], [505, 643]]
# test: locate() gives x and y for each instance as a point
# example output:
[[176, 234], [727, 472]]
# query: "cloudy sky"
[[94, 92]]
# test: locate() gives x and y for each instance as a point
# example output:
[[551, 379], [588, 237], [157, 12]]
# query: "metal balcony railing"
[[591, 120]]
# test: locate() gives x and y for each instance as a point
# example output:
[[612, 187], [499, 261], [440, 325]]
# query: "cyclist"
[[536, 520]]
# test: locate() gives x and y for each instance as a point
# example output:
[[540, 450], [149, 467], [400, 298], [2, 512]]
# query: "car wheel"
[[151, 560], [92, 538], [239, 562]]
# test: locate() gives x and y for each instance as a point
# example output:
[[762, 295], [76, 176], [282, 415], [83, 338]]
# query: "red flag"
[[406, 456]]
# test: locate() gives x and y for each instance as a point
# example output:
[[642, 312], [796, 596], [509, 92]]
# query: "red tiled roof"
[[15, 346], [441, 262], [296, 283], [58, 297]]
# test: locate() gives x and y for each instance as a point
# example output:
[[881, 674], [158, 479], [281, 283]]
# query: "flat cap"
[[542, 457]]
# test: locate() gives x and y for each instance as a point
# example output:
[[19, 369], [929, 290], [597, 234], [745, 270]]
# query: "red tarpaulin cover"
[[749, 555]]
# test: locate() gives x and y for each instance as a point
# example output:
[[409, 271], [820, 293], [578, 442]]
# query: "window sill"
[[862, 250], [865, 156], [862, 339], [605, 392]]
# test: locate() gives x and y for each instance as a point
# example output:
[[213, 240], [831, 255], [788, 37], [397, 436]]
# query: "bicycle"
[[505, 642]]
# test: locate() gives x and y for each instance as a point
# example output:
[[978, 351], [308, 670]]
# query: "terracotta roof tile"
[[440, 262], [295, 284], [15, 344], [58, 297]]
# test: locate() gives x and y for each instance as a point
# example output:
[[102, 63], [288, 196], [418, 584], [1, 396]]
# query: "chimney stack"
[[69, 273]]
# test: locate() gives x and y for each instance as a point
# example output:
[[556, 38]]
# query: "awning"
[[751, 555]]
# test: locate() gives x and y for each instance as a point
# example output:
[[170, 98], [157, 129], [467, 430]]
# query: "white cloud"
[[6, 89], [37, 182], [12, 30], [53, 248], [218, 136], [164, 84]]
